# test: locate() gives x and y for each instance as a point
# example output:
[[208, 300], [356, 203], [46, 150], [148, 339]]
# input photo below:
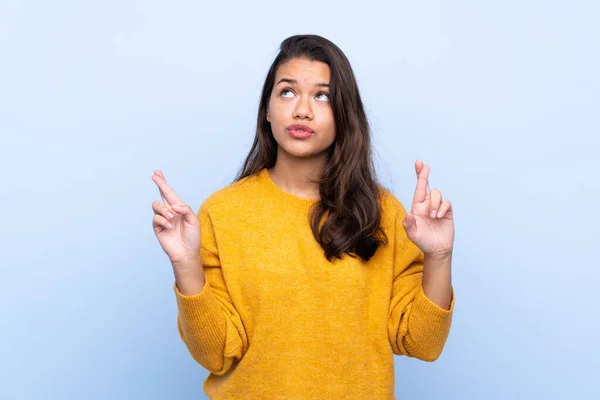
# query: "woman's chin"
[[301, 151], [302, 148]]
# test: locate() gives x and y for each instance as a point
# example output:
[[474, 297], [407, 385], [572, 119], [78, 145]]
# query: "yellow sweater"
[[276, 320]]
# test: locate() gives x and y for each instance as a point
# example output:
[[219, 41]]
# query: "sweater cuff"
[[201, 316], [429, 314], [427, 307], [429, 327]]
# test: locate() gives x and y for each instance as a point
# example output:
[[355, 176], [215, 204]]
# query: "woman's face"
[[300, 96]]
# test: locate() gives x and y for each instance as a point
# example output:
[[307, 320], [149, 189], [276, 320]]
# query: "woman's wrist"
[[189, 277]]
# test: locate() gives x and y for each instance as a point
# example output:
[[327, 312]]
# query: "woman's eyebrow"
[[294, 81]]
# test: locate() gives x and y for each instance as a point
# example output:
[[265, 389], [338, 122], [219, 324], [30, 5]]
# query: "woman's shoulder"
[[391, 206], [232, 196]]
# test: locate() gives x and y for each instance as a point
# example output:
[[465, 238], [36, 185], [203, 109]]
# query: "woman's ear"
[[268, 116]]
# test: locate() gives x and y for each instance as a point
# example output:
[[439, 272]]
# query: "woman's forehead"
[[303, 71]]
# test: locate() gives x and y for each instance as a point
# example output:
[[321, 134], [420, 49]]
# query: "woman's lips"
[[299, 134], [300, 131]]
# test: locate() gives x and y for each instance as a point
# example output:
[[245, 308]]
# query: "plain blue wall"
[[501, 98]]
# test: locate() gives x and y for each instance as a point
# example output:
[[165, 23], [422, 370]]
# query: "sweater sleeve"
[[417, 327], [208, 322]]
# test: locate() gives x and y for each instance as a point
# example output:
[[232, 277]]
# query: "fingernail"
[[439, 214], [169, 225], [432, 214], [170, 214]]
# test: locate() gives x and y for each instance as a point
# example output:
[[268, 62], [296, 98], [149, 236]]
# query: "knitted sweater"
[[277, 320]]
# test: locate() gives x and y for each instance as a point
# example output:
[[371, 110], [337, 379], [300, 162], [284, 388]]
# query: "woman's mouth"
[[300, 131]]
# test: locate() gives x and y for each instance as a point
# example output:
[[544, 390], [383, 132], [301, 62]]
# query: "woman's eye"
[[324, 94], [289, 93]]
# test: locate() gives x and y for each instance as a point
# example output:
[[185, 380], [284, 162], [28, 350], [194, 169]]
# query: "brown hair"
[[349, 191]]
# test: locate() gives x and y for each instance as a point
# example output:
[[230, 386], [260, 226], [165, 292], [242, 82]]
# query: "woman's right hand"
[[176, 226]]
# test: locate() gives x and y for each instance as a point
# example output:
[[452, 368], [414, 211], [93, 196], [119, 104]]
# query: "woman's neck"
[[295, 176]]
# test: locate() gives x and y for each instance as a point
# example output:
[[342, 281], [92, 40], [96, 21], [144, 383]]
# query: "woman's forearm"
[[437, 280]]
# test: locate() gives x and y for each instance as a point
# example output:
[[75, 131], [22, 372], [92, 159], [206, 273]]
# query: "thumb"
[[186, 212], [409, 225]]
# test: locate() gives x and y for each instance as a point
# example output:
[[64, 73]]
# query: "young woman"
[[303, 277]]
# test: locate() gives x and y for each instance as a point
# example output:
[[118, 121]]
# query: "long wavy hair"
[[347, 217]]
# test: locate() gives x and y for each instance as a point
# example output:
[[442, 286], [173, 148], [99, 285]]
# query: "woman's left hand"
[[430, 223]]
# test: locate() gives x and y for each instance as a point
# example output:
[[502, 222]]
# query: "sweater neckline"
[[288, 199]]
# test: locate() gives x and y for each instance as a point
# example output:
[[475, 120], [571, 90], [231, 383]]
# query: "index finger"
[[422, 189], [160, 174], [418, 168], [166, 191]]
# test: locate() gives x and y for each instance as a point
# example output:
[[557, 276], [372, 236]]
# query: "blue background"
[[500, 98]]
